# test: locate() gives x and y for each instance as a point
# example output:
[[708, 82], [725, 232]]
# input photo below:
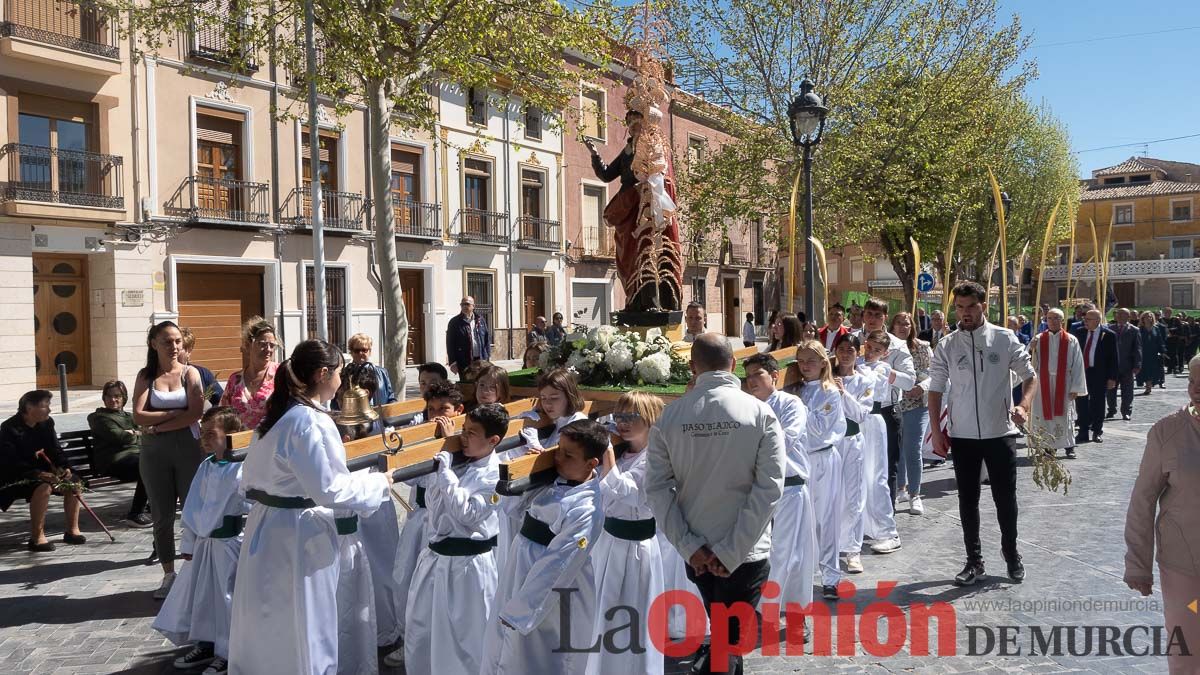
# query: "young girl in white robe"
[[879, 520], [285, 611], [856, 385], [200, 605], [551, 557], [793, 529], [627, 559], [455, 579], [826, 425]]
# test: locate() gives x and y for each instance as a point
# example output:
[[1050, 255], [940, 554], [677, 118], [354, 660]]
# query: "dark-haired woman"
[[117, 447], [24, 474], [168, 399], [286, 605], [786, 331]]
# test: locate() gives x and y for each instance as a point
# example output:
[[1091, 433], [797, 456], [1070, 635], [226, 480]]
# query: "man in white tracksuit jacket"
[[714, 475], [971, 369]]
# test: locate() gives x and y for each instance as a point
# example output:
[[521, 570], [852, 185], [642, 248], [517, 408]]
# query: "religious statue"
[[642, 214]]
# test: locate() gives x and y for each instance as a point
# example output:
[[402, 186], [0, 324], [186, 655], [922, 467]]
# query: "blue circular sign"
[[925, 282]]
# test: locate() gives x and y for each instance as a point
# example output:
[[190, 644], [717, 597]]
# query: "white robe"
[[1057, 432], [357, 630], [380, 535], [285, 603], [793, 530], [628, 573], [856, 404], [879, 520], [452, 596], [526, 598], [825, 426], [675, 579], [200, 604], [411, 541]]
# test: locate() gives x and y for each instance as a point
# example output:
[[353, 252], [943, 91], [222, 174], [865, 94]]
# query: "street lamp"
[[806, 113]]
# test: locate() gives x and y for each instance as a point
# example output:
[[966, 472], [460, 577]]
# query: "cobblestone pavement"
[[87, 609]]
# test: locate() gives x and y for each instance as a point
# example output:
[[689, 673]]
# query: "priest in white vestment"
[[1059, 364]]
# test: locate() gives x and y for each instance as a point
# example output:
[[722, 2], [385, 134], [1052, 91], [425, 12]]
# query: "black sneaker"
[[1125, 416], [970, 574], [829, 593], [139, 520], [195, 658], [700, 663], [1016, 571], [1098, 438], [1111, 414], [1070, 453]]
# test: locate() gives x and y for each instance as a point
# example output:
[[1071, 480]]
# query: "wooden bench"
[[79, 448]]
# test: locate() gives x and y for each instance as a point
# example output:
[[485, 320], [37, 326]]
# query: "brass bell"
[[355, 409]]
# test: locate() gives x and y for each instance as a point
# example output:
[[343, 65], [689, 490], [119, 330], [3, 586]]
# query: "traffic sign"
[[925, 282]]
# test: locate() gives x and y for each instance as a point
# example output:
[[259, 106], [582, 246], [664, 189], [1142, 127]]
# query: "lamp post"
[[807, 116]]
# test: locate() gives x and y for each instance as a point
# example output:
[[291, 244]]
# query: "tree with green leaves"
[[923, 97], [388, 56]]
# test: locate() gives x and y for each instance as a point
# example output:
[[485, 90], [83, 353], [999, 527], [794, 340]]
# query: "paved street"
[[88, 609]]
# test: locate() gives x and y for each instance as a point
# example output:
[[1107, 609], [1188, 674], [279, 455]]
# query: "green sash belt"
[[629, 530]]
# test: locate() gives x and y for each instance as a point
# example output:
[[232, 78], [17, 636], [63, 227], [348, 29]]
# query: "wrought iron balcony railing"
[[217, 34], [220, 200], [483, 227], [595, 248], [80, 26], [339, 210], [417, 220], [41, 174], [538, 233], [739, 255]]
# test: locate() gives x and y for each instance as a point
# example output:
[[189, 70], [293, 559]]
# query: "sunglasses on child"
[[626, 417]]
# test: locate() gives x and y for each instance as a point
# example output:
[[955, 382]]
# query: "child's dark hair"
[[360, 375], [446, 390], [562, 380], [224, 418], [845, 338], [590, 435], [431, 367], [492, 417], [762, 360], [295, 378]]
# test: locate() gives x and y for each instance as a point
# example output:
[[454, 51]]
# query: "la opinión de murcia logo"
[[882, 629]]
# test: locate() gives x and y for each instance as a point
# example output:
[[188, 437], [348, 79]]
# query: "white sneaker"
[[165, 587], [901, 495], [218, 667], [395, 659], [853, 563], [915, 507], [886, 545]]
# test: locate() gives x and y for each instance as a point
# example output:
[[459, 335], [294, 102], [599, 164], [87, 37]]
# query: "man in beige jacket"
[[1168, 487]]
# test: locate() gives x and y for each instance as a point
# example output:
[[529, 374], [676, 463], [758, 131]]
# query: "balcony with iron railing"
[[701, 253], [1126, 269], [220, 201], [738, 255], [595, 247], [483, 227], [339, 210], [762, 257], [66, 24], [217, 35], [57, 176], [417, 220], [538, 233]]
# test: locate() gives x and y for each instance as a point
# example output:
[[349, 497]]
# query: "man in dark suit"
[[1099, 346], [1129, 363], [468, 337], [937, 329], [923, 322]]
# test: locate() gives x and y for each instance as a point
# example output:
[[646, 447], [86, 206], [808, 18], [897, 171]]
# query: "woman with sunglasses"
[[248, 389]]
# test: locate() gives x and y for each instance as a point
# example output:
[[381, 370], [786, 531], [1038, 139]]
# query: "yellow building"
[[1150, 207]]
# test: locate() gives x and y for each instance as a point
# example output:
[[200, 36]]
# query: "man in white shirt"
[[694, 318], [714, 475], [749, 335], [970, 368]]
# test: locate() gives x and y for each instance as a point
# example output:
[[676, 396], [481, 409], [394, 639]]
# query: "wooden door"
[[1125, 292], [214, 301], [535, 298], [412, 283], [215, 164], [730, 302], [406, 185], [60, 319]]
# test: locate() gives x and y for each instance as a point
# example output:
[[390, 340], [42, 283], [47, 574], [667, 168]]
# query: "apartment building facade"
[[1147, 208]]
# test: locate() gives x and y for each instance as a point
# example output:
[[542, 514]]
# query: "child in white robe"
[[825, 426], [627, 559], [285, 609], [793, 530], [456, 576], [856, 385], [879, 520], [200, 605], [550, 559]]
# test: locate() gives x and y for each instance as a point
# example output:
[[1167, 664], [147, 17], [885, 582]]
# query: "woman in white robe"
[[628, 563], [1059, 363], [200, 603], [285, 606]]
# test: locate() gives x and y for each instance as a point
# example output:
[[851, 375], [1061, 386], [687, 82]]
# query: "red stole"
[[1060, 398]]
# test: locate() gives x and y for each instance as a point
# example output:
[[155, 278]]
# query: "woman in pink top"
[[1164, 509], [248, 389]]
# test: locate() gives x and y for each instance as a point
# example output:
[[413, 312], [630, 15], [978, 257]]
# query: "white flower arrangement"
[[607, 356]]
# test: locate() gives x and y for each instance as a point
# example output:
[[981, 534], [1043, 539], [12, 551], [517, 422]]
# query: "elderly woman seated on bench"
[[32, 466], [117, 446]]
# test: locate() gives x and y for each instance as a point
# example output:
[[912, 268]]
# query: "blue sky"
[[1123, 90]]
